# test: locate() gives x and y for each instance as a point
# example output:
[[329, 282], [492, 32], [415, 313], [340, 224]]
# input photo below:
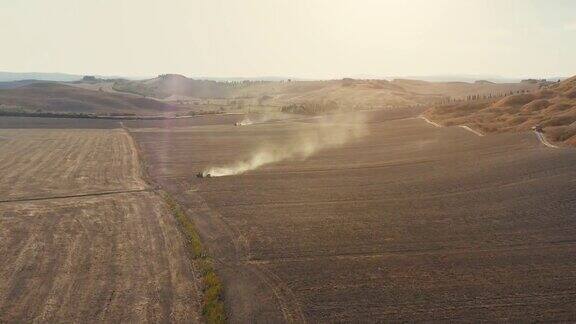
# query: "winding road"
[[543, 139], [540, 135], [472, 130]]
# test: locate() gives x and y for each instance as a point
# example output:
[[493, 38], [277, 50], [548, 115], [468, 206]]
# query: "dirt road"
[[543, 139]]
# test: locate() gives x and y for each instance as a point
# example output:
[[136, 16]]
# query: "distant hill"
[[57, 77], [61, 98], [552, 107], [174, 84], [173, 92], [17, 76], [470, 78], [16, 84], [260, 78], [347, 93]]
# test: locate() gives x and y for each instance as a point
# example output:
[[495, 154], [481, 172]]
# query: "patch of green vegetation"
[[138, 88], [23, 112], [204, 112], [311, 108], [213, 301]]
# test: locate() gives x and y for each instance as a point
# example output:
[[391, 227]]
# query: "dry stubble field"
[[38, 163], [82, 236], [411, 222]]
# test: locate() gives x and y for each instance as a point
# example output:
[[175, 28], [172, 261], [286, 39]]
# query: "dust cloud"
[[263, 118], [324, 132], [244, 122]]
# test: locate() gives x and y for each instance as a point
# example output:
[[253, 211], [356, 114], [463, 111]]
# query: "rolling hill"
[[174, 84], [17, 84], [172, 92], [348, 93], [552, 107], [42, 76], [61, 98]]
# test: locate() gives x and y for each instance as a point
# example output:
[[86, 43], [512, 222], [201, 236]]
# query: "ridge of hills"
[[63, 98], [553, 108]]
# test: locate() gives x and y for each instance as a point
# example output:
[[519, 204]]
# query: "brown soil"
[[410, 223], [83, 238]]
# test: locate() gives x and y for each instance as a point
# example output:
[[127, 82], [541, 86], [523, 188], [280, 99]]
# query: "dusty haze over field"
[[326, 132], [300, 38]]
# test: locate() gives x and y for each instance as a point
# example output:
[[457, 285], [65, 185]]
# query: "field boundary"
[[213, 301], [288, 305], [212, 287], [94, 194], [213, 308]]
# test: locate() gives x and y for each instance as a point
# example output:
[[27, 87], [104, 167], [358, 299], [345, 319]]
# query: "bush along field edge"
[[213, 302], [213, 308]]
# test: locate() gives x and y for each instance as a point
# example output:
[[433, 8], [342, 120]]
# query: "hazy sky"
[[301, 38]]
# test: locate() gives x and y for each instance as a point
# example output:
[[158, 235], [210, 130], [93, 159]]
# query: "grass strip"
[[213, 301]]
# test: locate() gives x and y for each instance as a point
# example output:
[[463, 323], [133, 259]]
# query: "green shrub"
[[213, 301]]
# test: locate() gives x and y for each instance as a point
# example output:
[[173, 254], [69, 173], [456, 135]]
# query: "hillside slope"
[[348, 93], [41, 76], [553, 108], [174, 84], [61, 98], [17, 84]]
